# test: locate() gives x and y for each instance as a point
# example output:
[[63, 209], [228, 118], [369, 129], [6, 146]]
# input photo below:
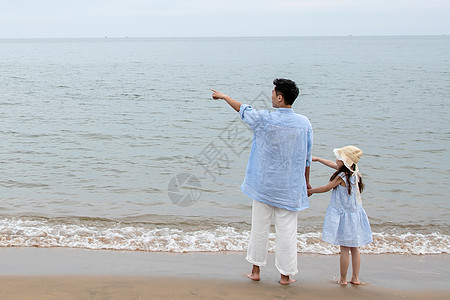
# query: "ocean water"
[[117, 144]]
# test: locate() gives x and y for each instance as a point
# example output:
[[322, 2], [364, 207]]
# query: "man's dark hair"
[[287, 88]]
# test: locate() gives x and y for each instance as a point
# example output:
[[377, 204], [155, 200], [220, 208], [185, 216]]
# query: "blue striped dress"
[[346, 222]]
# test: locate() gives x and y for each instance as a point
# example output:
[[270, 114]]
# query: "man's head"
[[285, 90]]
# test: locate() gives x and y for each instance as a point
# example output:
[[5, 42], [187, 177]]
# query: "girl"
[[346, 223]]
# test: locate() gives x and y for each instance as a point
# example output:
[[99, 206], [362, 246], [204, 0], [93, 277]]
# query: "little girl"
[[346, 223]]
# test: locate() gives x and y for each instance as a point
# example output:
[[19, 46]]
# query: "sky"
[[209, 18]]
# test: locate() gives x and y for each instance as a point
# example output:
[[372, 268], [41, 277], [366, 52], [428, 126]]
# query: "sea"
[[116, 143]]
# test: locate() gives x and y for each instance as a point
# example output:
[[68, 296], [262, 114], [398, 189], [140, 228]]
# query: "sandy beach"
[[60, 273]]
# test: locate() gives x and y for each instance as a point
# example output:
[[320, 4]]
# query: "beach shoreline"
[[56, 273]]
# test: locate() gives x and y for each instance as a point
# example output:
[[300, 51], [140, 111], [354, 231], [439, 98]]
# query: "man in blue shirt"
[[277, 176]]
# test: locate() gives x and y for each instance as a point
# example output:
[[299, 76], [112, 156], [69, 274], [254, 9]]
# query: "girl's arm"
[[326, 162], [236, 105], [323, 189]]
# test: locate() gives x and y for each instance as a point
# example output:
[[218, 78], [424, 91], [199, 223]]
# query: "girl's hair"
[[348, 174]]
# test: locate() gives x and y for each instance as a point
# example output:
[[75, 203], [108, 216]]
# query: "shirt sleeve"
[[249, 115], [342, 175]]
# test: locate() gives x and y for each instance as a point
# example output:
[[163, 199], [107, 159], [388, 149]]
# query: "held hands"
[[309, 189]]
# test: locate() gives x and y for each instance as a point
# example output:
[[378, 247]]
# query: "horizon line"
[[227, 36]]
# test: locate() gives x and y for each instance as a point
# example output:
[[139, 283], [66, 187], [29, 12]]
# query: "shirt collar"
[[285, 109]]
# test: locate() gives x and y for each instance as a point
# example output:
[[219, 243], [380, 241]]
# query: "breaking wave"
[[156, 237]]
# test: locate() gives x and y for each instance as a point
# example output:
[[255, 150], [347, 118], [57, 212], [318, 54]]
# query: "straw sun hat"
[[349, 155]]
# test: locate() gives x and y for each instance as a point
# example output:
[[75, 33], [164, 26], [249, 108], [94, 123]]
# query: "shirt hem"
[[254, 197]]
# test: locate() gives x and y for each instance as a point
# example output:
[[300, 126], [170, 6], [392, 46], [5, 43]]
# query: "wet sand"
[[57, 273]]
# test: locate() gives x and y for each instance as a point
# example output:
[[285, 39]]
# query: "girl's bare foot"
[[355, 280], [286, 280], [342, 282]]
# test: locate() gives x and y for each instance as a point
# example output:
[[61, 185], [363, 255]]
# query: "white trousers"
[[285, 237]]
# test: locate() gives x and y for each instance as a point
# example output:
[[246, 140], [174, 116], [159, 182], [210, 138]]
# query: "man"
[[277, 176]]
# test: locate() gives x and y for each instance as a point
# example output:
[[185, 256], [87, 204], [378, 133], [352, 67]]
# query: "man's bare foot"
[[342, 282], [355, 282], [254, 275], [286, 280]]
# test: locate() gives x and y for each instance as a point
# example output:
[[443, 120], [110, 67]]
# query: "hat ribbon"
[[357, 177]]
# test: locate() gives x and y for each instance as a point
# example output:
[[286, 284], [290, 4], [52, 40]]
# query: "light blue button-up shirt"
[[281, 150]]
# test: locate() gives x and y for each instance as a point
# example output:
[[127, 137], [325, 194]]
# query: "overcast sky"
[[186, 18]]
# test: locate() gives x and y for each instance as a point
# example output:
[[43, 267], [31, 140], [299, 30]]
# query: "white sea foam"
[[17, 232], [409, 243]]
